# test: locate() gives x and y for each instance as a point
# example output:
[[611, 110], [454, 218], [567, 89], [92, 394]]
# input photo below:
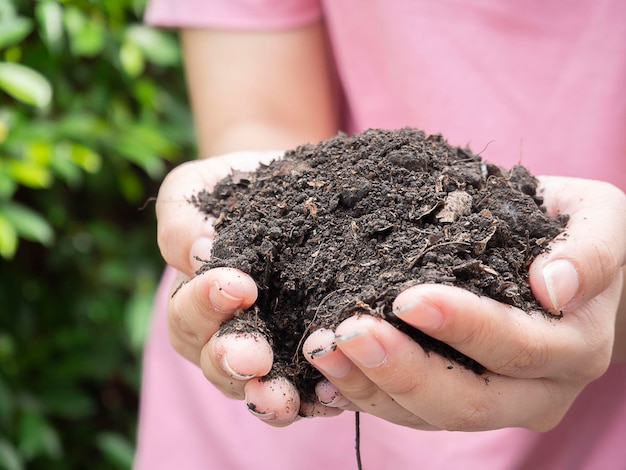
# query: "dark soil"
[[342, 227]]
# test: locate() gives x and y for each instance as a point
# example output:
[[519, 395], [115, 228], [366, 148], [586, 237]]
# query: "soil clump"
[[342, 227]]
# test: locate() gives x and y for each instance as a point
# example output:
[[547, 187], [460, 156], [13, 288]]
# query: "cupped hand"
[[536, 366], [199, 304]]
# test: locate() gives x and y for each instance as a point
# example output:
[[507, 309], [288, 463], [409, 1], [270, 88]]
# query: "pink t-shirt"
[[541, 82]]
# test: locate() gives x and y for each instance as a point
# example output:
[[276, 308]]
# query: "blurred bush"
[[92, 114]]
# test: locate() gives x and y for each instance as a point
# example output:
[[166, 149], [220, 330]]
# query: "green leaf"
[[139, 311], [27, 223], [28, 173], [68, 172], [25, 84], [157, 46], [8, 238], [130, 186], [7, 10], [138, 6], [150, 162], [37, 437], [116, 449], [87, 35], [39, 153], [8, 185], [14, 30], [9, 456], [86, 158], [49, 14], [81, 126], [70, 156], [131, 59], [143, 145], [4, 130]]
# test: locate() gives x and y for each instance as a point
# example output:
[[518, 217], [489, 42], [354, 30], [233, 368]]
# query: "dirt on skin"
[[342, 227]]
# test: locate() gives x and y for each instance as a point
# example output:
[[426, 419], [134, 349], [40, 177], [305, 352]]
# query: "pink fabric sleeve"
[[232, 14]]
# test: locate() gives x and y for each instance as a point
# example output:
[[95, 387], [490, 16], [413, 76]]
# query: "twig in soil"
[[307, 330], [426, 249]]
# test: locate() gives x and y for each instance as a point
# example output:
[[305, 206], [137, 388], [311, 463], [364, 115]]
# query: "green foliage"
[[93, 113]]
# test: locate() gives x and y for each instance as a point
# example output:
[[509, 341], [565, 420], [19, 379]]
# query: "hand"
[[536, 367], [200, 304]]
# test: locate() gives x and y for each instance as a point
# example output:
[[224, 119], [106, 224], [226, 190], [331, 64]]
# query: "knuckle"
[[359, 392], [528, 356], [179, 326], [402, 383], [597, 363], [604, 259], [472, 416], [474, 334], [184, 348]]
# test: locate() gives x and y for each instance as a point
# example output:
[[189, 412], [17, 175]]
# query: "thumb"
[[584, 261], [184, 233]]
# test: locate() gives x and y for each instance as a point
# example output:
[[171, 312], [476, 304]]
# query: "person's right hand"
[[199, 304]]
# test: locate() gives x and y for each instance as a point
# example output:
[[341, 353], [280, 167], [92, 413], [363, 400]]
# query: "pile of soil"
[[342, 227]]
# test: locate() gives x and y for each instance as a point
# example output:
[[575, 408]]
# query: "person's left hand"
[[536, 367]]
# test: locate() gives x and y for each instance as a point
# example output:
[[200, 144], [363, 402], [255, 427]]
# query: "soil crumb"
[[342, 227]]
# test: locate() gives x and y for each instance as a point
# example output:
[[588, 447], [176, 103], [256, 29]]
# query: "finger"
[[180, 223], [444, 395], [274, 401], [582, 264], [229, 360], [321, 351], [199, 306], [317, 346], [318, 410], [184, 233], [329, 395], [502, 338]]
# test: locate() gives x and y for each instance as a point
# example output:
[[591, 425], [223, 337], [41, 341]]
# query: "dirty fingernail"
[[362, 348], [562, 282], [265, 416], [328, 395], [321, 352], [221, 300], [335, 366], [234, 374], [420, 314]]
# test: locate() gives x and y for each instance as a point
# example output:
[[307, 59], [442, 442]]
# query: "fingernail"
[[259, 414], [336, 367], [328, 395], [337, 402], [420, 314], [200, 252], [221, 300], [362, 348], [234, 374], [562, 282], [321, 352]]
